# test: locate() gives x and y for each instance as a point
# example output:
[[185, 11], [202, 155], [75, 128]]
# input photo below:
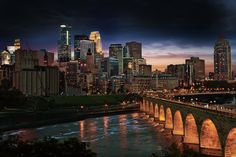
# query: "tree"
[[5, 84], [47, 147], [11, 98]]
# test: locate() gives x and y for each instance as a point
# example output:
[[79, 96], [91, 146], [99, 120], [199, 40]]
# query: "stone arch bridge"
[[211, 132]]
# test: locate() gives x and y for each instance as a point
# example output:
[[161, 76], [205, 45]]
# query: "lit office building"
[[71, 73], [136, 63], [222, 60], [5, 57], [77, 39], [145, 70], [195, 70], [17, 44], [64, 44], [164, 81], [139, 84], [116, 51], [95, 36], [128, 67], [134, 49], [180, 72], [86, 45], [90, 61], [6, 73], [126, 51], [113, 67], [110, 66]]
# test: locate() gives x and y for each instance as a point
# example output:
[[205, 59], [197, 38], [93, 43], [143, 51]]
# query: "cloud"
[[172, 50]]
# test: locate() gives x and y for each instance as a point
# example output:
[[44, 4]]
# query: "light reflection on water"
[[114, 136]]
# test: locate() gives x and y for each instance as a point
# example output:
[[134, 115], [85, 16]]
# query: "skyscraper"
[[5, 57], [134, 49], [145, 70], [179, 71], [222, 60], [90, 61], [77, 39], [113, 67], [116, 51], [64, 44], [17, 44], [85, 45], [136, 63], [95, 36], [195, 69]]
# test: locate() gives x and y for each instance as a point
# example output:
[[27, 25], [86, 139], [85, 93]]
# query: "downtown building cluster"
[[30, 71], [88, 72], [193, 71]]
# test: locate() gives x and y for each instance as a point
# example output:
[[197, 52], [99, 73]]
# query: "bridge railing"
[[205, 93], [218, 110]]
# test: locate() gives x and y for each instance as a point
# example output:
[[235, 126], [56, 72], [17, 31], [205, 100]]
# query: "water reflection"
[[123, 131], [81, 126], [25, 134], [91, 129], [116, 136], [106, 125]]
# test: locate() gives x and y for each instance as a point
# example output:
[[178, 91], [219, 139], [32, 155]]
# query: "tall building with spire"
[[222, 60], [95, 36], [64, 44]]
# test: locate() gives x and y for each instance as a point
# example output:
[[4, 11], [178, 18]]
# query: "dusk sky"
[[170, 30]]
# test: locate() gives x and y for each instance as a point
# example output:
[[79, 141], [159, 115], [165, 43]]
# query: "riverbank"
[[32, 120]]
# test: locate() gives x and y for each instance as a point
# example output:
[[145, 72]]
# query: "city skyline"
[[118, 78], [167, 36]]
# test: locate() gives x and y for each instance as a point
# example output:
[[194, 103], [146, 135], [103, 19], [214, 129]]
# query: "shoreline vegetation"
[[20, 111], [48, 147]]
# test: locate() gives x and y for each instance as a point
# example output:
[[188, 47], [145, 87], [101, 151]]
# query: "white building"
[[85, 45]]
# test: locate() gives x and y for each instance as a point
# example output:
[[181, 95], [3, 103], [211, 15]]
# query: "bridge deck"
[[213, 109]]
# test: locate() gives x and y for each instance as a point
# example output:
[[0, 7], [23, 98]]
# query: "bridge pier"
[[193, 146], [178, 140], [211, 152], [201, 129]]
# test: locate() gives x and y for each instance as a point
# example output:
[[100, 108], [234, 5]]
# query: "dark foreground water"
[[114, 136]]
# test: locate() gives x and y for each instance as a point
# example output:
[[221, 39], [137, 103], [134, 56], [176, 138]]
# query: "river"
[[114, 136]]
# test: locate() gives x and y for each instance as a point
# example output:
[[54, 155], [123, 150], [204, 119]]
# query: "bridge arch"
[[147, 107], [169, 120], [178, 124], [156, 111], [209, 139], [230, 147], [143, 105], [190, 130], [162, 113], [151, 108]]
